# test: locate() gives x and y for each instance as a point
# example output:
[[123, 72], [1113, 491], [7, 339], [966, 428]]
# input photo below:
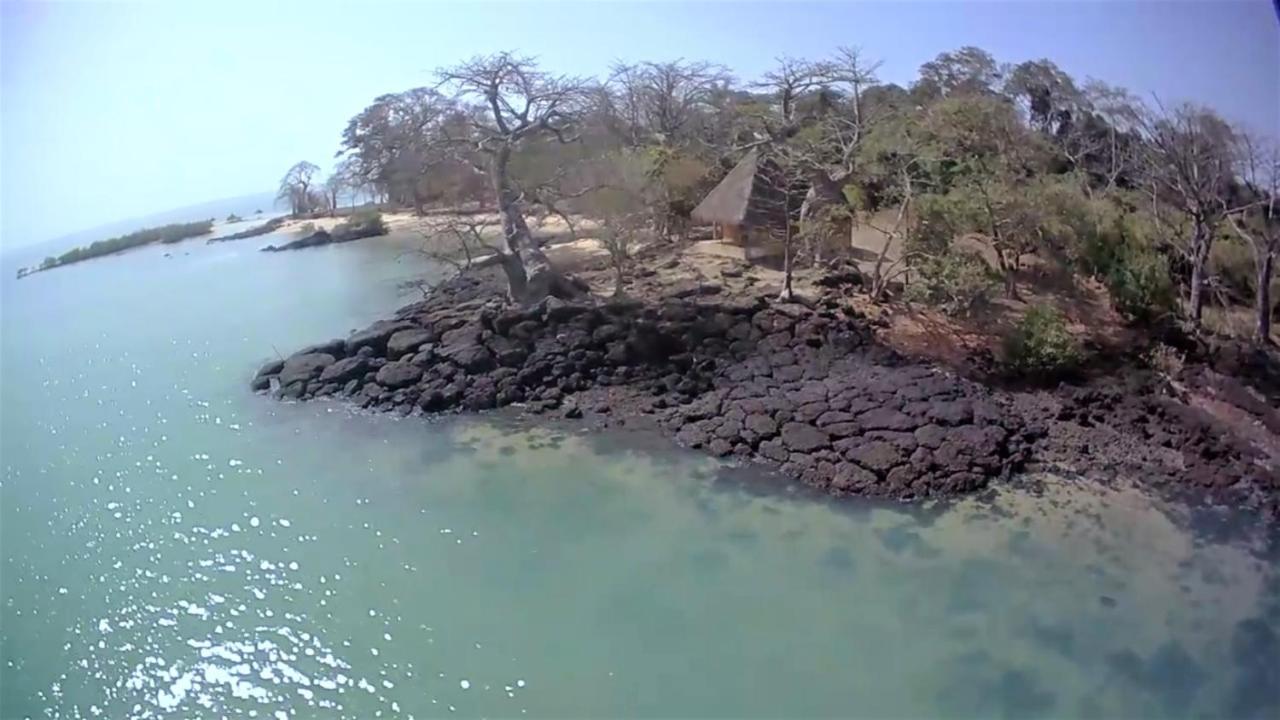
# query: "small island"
[[164, 234]]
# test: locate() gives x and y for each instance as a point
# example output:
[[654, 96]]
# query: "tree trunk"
[[1199, 259], [526, 284], [786, 295], [515, 233], [1007, 272], [1263, 298]]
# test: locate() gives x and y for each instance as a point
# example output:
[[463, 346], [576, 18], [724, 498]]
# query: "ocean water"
[[177, 547]]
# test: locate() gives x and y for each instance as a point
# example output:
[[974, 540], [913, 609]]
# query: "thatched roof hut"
[[749, 197]]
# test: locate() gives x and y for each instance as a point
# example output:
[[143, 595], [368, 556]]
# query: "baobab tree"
[[296, 188], [515, 103]]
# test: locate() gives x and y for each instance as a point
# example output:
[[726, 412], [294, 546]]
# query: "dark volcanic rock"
[[398, 374], [271, 367], [802, 437], [336, 348], [345, 369], [302, 368], [405, 342], [804, 388], [376, 335]]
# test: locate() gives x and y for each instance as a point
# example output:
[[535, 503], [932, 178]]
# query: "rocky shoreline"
[[805, 388]]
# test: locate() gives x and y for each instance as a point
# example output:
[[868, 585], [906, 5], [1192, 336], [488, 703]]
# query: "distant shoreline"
[[164, 234]]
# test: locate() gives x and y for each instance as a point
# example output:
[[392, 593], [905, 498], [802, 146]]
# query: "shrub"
[[363, 224], [1141, 285], [937, 221], [1116, 247], [954, 281], [1040, 344], [1232, 261]]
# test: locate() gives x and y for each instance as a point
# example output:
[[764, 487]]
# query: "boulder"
[[302, 368], [345, 369], [376, 335], [557, 311], [398, 374], [474, 358], [336, 348], [878, 455], [271, 367], [406, 342], [802, 437], [887, 419]]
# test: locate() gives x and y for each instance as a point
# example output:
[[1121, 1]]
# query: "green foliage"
[[1040, 344], [936, 224], [362, 224], [1116, 245], [164, 234], [1141, 286], [957, 282], [1232, 262]]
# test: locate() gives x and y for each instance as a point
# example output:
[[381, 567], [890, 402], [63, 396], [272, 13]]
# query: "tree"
[[296, 188], [393, 144], [1257, 222], [788, 81], [986, 156], [620, 184], [969, 70], [1187, 164], [515, 103], [892, 157], [1048, 94], [784, 173], [663, 103]]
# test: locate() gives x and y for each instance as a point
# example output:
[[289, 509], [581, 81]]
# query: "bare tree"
[[1257, 222], [296, 188], [784, 173], [333, 187], [619, 199], [789, 81], [1188, 167], [663, 102], [856, 73], [515, 103]]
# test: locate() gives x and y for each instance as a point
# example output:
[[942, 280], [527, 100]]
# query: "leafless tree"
[[333, 187], [1119, 110], [663, 102], [789, 80], [296, 188], [461, 241], [516, 102], [856, 73], [1257, 221], [1188, 166], [784, 174]]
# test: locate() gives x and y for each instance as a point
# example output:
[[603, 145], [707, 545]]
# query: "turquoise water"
[[174, 546]]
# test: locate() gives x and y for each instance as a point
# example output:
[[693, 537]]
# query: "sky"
[[117, 110]]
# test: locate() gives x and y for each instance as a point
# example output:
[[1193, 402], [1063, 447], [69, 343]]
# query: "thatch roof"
[[745, 196]]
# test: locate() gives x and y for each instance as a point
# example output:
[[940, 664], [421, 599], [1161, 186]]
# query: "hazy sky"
[[109, 111]]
